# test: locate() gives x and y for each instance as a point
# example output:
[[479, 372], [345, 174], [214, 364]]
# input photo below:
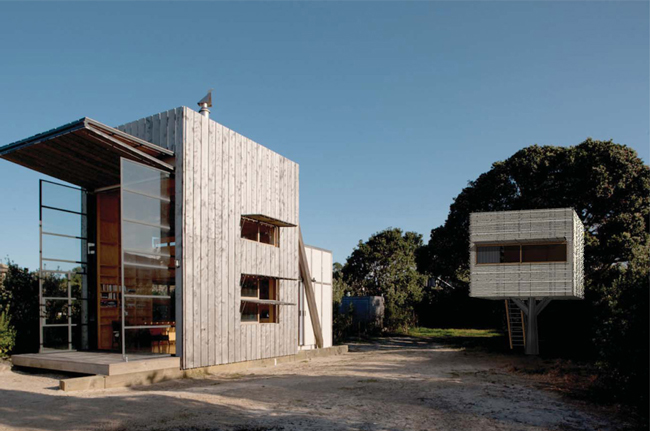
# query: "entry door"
[[62, 281], [148, 260]]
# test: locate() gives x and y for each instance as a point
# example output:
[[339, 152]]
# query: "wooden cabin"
[[526, 253], [527, 258], [174, 237]]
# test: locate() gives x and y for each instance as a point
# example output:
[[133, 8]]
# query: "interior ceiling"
[[85, 153]]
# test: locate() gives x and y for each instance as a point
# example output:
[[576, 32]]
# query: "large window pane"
[[55, 337], [58, 196], [146, 239], [60, 222], [497, 254], [146, 209], [148, 311], [63, 248], [510, 254], [54, 285], [146, 180], [151, 340], [544, 253], [148, 259], [488, 254]]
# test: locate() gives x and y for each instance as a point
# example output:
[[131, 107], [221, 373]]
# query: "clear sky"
[[389, 108]]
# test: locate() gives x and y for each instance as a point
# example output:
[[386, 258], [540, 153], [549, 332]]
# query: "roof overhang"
[[85, 152], [268, 220]]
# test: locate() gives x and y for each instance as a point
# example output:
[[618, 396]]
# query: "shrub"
[[19, 299], [7, 335]]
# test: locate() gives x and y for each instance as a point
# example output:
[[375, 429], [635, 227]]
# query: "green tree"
[[385, 265], [339, 287], [609, 188], [7, 335], [19, 298]]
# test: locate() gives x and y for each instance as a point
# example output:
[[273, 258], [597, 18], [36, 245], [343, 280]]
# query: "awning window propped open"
[[85, 153], [268, 220]]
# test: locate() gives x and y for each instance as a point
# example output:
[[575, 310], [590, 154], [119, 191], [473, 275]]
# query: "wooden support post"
[[532, 310], [309, 291], [532, 345]]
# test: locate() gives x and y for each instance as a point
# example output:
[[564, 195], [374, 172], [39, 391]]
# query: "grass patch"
[[453, 333], [489, 340]]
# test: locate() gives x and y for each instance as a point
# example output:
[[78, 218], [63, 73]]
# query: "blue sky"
[[389, 108]]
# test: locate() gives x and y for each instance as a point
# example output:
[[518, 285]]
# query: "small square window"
[[249, 312], [267, 233], [249, 287], [249, 229], [255, 290]]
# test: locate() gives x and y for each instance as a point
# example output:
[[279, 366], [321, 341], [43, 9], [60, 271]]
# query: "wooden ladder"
[[516, 325]]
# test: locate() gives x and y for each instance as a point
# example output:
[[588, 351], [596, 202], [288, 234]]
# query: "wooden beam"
[[542, 304], [521, 305], [508, 320], [309, 291]]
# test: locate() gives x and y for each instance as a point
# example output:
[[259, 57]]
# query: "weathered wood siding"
[[226, 175], [164, 129], [221, 175], [553, 279]]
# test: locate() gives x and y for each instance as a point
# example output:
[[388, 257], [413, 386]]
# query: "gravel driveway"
[[392, 384]]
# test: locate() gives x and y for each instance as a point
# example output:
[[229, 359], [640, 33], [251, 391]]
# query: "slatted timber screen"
[[526, 253]]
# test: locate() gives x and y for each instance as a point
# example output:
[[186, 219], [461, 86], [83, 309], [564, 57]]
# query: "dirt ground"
[[392, 384]]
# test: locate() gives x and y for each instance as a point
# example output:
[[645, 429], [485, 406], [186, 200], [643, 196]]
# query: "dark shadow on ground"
[[392, 383]]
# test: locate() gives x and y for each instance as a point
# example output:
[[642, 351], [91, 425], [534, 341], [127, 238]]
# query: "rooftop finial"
[[206, 103]]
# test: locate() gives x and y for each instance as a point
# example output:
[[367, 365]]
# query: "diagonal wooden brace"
[[309, 291]]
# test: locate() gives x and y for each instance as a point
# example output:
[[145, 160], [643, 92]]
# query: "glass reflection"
[[148, 259]]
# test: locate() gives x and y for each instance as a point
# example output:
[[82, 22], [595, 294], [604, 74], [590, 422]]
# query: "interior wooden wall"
[[221, 175]]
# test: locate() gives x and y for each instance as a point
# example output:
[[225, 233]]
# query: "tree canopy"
[[385, 265], [606, 183], [608, 186]]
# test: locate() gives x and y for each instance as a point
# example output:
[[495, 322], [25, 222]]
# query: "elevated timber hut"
[[177, 240], [526, 258]]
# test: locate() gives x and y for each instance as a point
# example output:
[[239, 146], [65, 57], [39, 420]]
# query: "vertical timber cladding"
[[227, 175], [221, 175], [547, 279]]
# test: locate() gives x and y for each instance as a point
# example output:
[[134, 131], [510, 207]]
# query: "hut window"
[[523, 253], [258, 231], [249, 313], [543, 253], [254, 291], [249, 229], [498, 254]]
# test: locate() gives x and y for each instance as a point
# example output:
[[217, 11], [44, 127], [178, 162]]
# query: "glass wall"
[[148, 260]]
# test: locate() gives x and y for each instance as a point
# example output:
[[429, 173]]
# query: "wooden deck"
[[101, 363]]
